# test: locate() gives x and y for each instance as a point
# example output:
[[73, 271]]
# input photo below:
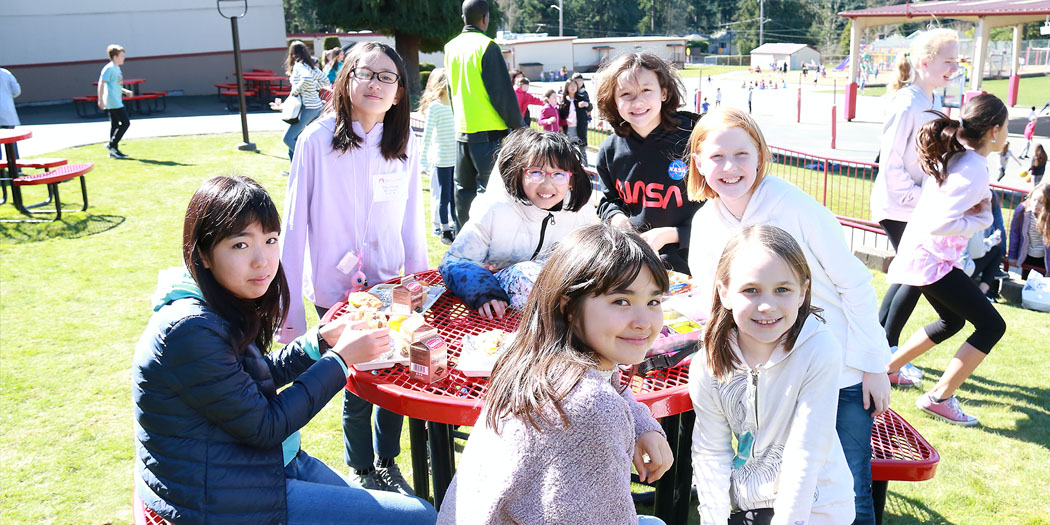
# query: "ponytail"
[[903, 73], [939, 140], [937, 144]]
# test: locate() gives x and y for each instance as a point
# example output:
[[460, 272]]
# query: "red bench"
[[86, 106], [52, 179]]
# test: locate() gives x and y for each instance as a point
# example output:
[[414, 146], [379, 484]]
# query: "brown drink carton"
[[428, 360], [408, 296]]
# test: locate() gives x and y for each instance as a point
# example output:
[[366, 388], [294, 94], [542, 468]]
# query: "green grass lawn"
[[74, 298], [1031, 91], [695, 70]]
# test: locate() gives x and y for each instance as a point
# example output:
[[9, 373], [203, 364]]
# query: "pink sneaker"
[[902, 381], [948, 410]]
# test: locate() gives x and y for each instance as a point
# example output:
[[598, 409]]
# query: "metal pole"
[[561, 23], [761, 21], [247, 145]]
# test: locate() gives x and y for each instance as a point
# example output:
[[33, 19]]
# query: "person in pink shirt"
[[525, 99], [951, 207], [550, 119], [354, 204]]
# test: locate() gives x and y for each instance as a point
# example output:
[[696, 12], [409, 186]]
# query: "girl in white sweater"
[[931, 62], [545, 195], [768, 377], [728, 163]]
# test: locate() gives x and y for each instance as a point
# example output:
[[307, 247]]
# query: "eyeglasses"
[[537, 175], [365, 75]]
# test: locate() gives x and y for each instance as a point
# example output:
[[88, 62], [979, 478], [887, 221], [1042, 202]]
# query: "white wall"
[[46, 31], [552, 54], [585, 55]]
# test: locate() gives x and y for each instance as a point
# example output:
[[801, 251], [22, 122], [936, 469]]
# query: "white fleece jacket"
[[503, 231], [782, 414], [841, 283], [896, 190]]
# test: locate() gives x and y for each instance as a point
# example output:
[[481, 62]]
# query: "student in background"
[[110, 99]]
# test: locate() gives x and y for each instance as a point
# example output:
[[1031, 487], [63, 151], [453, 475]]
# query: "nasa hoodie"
[[645, 179]]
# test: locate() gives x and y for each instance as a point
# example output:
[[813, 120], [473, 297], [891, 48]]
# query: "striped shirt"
[[1036, 246], [439, 137], [307, 83]]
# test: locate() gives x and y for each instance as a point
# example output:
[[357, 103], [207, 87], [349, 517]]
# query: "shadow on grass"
[[74, 227], [157, 162], [901, 510], [1029, 401]]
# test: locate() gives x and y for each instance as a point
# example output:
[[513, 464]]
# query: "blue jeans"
[[446, 210], [358, 441], [306, 116], [317, 494], [854, 429], [474, 163]]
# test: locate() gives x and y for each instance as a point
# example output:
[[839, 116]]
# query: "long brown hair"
[[437, 84], [547, 356], [396, 125], [938, 140], [925, 46], [297, 52], [221, 207], [528, 148], [632, 63], [719, 119], [1042, 221], [721, 326], [1039, 157]]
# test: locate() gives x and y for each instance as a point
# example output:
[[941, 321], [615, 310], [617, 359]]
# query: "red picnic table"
[[899, 452], [8, 137], [133, 82]]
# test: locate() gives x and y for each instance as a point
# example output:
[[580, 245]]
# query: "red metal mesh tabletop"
[[898, 452], [457, 399]]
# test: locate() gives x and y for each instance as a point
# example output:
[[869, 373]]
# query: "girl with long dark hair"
[[216, 441]]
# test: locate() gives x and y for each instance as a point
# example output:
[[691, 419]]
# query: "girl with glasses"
[[354, 201], [547, 197]]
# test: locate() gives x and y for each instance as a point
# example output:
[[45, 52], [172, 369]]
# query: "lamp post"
[[242, 7], [561, 23]]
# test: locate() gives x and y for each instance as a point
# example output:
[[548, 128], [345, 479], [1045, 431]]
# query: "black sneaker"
[[392, 480], [447, 237], [117, 154], [1000, 275]]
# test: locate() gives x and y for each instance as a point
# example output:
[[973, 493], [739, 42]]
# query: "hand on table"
[[654, 445], [657, 238], [875, 389], [493, 309], [355, 342]]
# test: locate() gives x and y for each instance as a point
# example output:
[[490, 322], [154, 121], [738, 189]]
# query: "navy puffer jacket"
[[209, 423]]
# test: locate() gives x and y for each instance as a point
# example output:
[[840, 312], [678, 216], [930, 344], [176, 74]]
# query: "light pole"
[[561, 23], [242, 6], [761, 21]]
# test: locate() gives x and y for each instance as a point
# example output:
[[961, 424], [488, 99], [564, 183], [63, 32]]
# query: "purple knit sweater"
[[579, 474]]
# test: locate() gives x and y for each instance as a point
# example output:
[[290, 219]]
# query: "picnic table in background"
[[51, 178], [138, 102]]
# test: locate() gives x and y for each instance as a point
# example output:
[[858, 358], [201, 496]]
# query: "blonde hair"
[[925, 46], [114, 49], [436, 85], [719, 119]]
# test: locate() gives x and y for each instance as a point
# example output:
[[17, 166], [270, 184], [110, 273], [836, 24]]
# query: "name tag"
[[389, 187]]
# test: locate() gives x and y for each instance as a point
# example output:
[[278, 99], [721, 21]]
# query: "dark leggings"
[[986, 267], [1038, 262], [118, 124], [956, 299], [900, 299]]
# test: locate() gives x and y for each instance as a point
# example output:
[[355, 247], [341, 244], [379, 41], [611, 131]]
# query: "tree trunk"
[[408, 47]]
